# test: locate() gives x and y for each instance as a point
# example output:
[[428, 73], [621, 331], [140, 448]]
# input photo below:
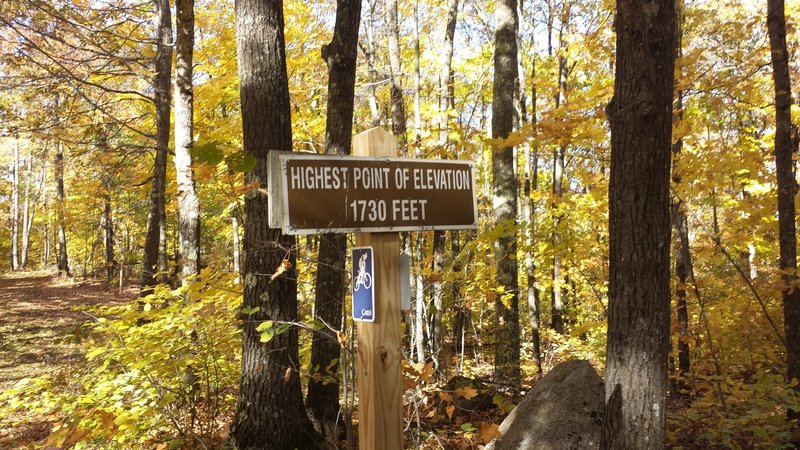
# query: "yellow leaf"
[[467, 392], [488, 432], [426, 373], [450, 410]]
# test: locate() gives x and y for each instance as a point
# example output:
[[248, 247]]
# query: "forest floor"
[[37, 318]]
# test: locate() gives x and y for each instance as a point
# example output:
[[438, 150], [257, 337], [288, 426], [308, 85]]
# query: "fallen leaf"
[[488, 432], [426, 373], [287, 375], [467, 392]]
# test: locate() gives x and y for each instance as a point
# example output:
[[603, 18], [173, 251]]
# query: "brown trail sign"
[[375, 195], [318, 194]]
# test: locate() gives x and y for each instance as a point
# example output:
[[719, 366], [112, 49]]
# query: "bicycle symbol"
[[363, 278]]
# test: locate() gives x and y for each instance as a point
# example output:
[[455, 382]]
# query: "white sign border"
[[284, 192]]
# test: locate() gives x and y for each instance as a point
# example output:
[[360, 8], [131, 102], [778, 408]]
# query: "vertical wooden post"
[[380, 377]]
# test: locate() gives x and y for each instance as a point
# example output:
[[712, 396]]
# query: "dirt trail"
[[37, 318]]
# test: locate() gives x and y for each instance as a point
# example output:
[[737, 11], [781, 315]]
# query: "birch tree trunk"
[[188, 202], [27, 215], [15, 207]]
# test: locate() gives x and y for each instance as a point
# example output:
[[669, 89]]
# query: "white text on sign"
[[326, 177], [403, 210]]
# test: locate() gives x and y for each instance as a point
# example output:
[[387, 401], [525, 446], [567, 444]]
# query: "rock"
[[563, 411]]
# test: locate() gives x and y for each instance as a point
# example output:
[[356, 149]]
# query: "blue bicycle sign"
[[363, 288]]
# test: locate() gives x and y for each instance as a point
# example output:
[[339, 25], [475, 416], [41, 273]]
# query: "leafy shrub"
[[160, 372]]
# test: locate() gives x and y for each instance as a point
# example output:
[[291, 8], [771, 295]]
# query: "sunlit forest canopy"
[[131, 155]]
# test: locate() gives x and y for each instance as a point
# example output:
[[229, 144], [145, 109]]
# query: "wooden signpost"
[[375, 195]]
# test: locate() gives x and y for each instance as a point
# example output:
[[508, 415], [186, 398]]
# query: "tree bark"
[[27, 215], [396, 74], [188, 202], [15, 207], [154, 258], [236, 255], [640, 117], [63, 263], [559, 157], [108, 230], [681, 228], [507, 352], [787, 185], [373, 72], [269, 411], [323, 389]]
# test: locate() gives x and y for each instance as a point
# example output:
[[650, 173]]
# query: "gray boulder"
[[564, 410]]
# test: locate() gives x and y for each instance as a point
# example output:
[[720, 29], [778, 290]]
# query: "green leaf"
[[264, 325], [251, 311], [207, 152], [241, 161]]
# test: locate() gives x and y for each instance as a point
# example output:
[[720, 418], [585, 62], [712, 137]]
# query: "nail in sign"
[[363, 276]]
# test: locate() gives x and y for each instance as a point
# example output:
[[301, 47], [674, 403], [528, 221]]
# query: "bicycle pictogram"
[[363, 278]]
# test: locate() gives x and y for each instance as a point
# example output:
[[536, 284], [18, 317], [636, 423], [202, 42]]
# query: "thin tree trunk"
[[436, 333], [373, 72], [323, 387], [419, 306], [188, 202], [559, 156], [269, 410], [63, 263], [396, 74], [446, 71], [15, 207], [27, 215], [46, 232], [640, 118], [236, 256], [504, 184], [108, 230], [681, 226], [154, 258], [785, 151]]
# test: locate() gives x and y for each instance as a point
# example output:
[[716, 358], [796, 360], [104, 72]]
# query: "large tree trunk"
[[269, 410], [15, 207], [506, 363], [154, 258], [63, 263], [188, 203], [396, 74], [640, 117], [787, 186], [340, 55]]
